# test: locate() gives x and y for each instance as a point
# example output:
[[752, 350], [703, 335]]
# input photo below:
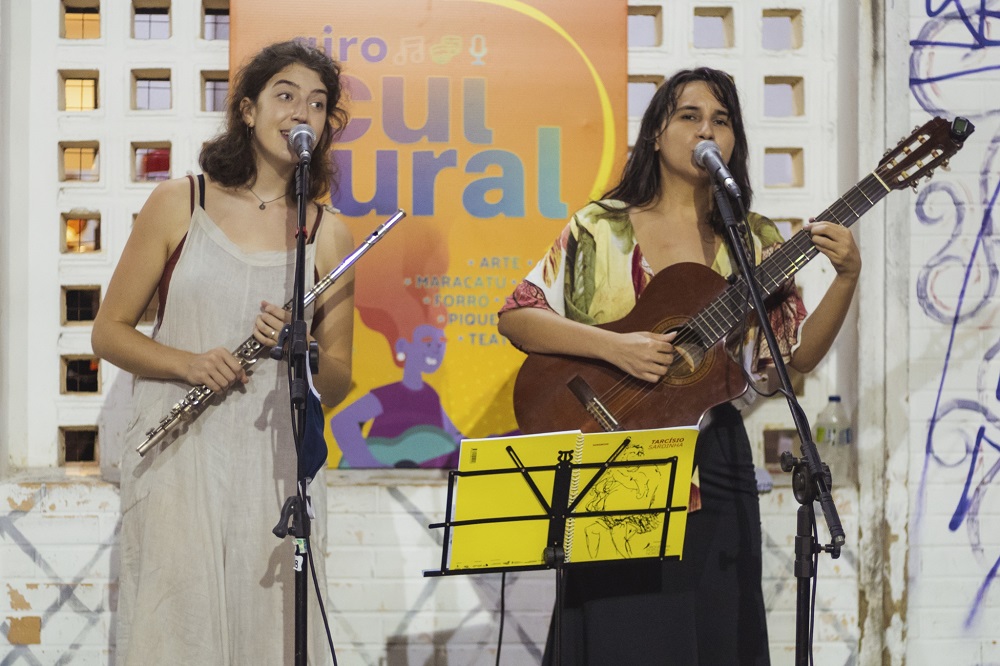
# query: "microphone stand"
[[811, 478], [294, 518]]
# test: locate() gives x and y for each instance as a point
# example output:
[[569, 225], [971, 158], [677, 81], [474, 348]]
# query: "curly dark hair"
[[640, 181], [229, 157]]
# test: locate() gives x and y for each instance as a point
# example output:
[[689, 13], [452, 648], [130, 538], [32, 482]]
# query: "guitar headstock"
[[916, 156]]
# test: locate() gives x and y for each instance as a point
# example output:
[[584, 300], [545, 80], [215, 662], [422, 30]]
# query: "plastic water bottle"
[[832, 426], [834, 441]]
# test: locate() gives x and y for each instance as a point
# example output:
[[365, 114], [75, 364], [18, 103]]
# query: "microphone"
[[708, 156], [301, 139]]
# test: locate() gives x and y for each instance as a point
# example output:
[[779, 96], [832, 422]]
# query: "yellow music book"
[[651, 474], [640, 485]]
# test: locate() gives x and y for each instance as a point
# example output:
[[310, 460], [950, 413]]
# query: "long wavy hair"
[[641, 181], [229, 158]]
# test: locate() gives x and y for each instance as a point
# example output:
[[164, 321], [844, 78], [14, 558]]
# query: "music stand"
[[544, 507]]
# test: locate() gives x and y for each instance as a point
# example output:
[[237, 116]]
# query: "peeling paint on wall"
[[17, 600], [25, 630]]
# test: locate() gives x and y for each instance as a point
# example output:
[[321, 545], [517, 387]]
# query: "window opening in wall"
[[151, 162], [150, 22], [783, 167], [151, 90], [784, 96], [79, 91], [80, 374], [79, 161], [216, 20], [645, 26], [788, 226], [81, 234], [640, 91], [214, 88], [78, 445], [80, 303], [776, 442], [713, 28], [81, 19], [781, 29]]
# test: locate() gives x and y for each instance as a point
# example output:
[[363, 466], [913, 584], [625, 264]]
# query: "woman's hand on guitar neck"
[[644, 355], [837, 243], [819, 331]]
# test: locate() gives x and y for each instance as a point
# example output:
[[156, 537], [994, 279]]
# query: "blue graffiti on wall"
[[953, 49]]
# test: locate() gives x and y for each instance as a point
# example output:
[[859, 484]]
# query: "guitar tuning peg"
[[946, 165]]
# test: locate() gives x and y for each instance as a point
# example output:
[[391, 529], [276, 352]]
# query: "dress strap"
[[191, 182], [201, 190], [315, 227]]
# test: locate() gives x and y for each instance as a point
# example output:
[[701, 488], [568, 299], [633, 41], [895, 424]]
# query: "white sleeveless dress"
[[203, 580]]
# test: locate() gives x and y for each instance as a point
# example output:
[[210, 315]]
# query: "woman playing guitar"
[[707, 608]]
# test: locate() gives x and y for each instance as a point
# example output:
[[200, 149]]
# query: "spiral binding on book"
[[574, 490]]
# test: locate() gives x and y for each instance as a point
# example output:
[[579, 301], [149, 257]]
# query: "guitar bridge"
[[581, 389]]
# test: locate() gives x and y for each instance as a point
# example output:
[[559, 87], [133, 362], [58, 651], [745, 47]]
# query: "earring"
[[400, 356], [249, 131]]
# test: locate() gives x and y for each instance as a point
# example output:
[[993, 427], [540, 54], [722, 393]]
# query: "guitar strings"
[[628, 393]]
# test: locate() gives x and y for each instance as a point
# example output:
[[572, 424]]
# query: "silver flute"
[[250, 350]]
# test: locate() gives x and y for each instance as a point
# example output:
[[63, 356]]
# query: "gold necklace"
[[263, 204]]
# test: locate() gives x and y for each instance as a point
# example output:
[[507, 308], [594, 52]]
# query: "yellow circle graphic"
[[608, 145]]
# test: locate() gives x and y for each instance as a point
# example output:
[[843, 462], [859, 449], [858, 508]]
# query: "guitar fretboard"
[[729, 308]]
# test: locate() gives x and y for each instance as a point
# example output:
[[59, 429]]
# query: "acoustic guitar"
[[554, 392]]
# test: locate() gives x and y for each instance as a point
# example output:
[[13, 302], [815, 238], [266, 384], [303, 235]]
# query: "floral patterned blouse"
[[595, 271]]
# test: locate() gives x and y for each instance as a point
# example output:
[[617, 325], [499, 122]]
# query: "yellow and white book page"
[[516, 526], [656, 476]]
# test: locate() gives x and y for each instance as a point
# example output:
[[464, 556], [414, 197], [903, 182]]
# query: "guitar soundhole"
[[690, 360]]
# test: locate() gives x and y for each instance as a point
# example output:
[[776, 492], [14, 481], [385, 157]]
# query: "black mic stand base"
[[806, 549]]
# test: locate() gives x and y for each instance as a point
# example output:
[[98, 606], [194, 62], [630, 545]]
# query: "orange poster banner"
[[490, 122]]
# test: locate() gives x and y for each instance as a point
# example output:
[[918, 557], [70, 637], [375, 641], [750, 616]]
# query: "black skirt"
[[705, 609]]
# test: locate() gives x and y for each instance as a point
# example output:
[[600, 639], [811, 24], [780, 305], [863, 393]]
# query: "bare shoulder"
[[172, 194], [335, 237], [331, 216], [158, 230], [167, 211]]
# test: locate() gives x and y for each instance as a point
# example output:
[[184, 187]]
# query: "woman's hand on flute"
[[217, 369], [270, 321]]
